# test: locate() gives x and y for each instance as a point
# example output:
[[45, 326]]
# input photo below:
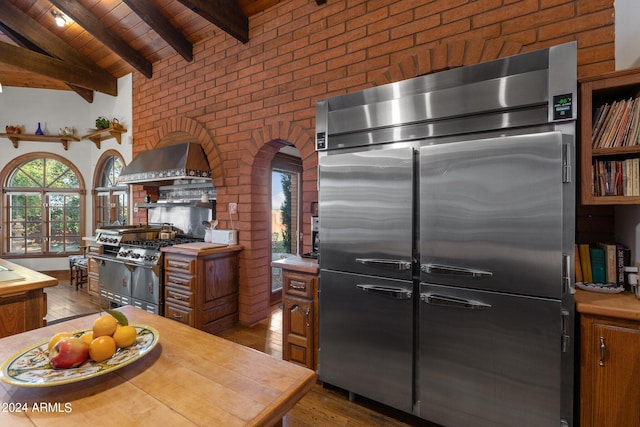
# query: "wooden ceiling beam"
[[55, 68], [161, 25], [86, 94], [225, 14], [28, 33], [93, 26]]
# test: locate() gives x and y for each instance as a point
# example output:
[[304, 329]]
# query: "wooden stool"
[[78, 268]]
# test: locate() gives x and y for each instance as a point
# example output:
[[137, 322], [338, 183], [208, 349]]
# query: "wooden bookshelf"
[[595, 92]]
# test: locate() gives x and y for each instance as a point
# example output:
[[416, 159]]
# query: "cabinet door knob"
[[603, 348]]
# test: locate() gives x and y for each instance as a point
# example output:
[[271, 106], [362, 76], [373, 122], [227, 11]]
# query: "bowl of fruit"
[[109, 344]]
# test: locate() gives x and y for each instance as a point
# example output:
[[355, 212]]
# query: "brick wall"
[[244, 101]]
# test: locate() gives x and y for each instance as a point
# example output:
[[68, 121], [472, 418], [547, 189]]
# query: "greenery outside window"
[[43, 205], [111, 200], [286, 172]]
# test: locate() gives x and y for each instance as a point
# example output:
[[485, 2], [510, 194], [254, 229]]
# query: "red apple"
[[68, 353]]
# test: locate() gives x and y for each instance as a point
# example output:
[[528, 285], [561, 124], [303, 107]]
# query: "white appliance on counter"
[[446, 221], [224, 237]]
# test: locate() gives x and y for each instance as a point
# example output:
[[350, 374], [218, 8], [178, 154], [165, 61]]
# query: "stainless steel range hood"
[[169, 163]]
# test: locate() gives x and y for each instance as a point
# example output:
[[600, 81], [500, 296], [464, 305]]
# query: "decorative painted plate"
[[598, 288], [31, 367]]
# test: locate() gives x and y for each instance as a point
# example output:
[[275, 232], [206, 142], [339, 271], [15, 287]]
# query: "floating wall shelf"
[[96, 137], [100, 135], [17, 137]]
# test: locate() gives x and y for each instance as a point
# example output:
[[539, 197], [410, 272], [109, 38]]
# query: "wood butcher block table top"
[[21, 279], [297, 263], [201, 248], [190, 378], [623, 305]]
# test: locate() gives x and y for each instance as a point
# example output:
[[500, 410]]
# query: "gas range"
[[147, 252]]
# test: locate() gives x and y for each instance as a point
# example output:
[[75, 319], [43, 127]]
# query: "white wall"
[[627, 52], [55, 109], [627, 34]]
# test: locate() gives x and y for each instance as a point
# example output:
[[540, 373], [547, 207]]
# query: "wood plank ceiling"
[[104, 40]]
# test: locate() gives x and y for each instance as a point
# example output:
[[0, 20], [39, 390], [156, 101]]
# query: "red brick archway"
[[446, 56], [185, 125], [255, 258]]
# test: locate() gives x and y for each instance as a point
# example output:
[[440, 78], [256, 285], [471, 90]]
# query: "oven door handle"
[[130, 267]]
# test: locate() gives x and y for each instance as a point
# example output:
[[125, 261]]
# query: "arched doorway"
[[286, 212]]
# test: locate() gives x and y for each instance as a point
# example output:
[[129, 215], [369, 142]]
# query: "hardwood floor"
[[322, 406], [64, 301]]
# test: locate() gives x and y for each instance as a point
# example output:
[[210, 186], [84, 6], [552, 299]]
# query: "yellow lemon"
[[125, 336], [57, 337], [104, 325], [102, 348], [87, 337]]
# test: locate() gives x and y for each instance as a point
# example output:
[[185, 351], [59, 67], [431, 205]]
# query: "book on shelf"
[[602, 263], [585, 261], [610, 262], [598, 267], [578, 265], [616, 177], [616, 124], [621, 262]]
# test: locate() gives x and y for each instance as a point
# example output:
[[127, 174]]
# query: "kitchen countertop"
[[190, 378], [623, 305], [21, 279], [201, 248], [297, 263]]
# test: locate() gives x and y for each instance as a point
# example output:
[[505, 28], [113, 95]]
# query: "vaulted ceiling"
[[104, 40]]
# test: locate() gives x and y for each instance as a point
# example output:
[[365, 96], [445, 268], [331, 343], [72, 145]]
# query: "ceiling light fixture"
[[59, 17]]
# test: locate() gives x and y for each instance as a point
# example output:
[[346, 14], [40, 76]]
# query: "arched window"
[[112, 200], [43, 202]]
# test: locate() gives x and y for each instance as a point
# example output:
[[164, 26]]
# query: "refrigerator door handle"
[[450, 301], [385, 263], [458, 271], [397, 293]]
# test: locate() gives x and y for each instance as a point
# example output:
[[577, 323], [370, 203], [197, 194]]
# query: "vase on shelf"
[[39, 130]]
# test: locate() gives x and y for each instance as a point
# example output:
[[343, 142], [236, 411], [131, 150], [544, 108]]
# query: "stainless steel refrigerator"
[[446, 229]]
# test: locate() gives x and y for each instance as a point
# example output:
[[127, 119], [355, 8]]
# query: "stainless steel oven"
[[146, 292], [115, 280], [131, 267], [130, 283]]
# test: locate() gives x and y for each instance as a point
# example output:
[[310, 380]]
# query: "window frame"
[[45, 194], [112, 193]]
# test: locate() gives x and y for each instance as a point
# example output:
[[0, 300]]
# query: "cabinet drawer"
[[220, 308], [298, 284], [93, 286], [178, 296], [180, 281], [180, 263], [179, 314], [92, 266]]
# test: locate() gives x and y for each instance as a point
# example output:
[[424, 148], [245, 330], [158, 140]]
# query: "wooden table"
[[23, 304], [190, 378]]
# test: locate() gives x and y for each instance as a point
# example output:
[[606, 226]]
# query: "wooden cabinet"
[[595, 92], [93, 278], [23, 303], [609, 372], [299, 311], [22, 312], [201, 289]]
